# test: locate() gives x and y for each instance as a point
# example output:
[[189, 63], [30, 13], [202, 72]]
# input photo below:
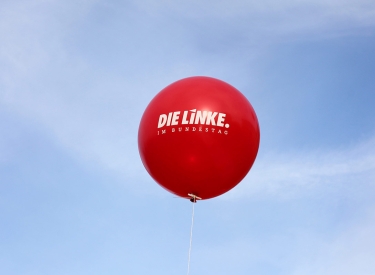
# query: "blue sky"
[[75, 78]]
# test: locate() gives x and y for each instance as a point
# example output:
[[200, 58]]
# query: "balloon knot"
[[194, 198]]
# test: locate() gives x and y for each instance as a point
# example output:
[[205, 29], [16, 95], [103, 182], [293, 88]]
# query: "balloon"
[[198, 136]]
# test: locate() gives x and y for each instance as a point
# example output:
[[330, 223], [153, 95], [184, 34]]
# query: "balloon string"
[[191, 238]]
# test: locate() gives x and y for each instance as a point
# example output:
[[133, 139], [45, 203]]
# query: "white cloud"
[[92, 112], [222, 9], [283, 175], [31, 29], [41, 81], [95, 114], [293, 249], [351, 252], [272, 17]]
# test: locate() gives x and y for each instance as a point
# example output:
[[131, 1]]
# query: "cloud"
[[91, 111], [291, 247], [40, 80], [235, 8], [283, 175], [270, 18], [30, 30], [94, 113], [350, 252]]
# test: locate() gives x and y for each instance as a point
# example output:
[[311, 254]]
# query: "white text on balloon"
[[196, 117]]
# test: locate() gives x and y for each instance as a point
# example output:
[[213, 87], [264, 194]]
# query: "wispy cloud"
[[291, 248], [95, 113], [283, 175], [270, 18], [350, 252]]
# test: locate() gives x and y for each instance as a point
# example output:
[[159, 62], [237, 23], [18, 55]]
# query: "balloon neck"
[[194, 198]]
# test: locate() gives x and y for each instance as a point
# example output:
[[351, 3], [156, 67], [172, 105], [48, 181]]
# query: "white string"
[[191, 238]]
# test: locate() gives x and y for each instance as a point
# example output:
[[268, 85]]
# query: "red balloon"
[[198, 136]]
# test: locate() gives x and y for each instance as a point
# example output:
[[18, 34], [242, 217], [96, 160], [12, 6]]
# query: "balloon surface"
[[198, 136]]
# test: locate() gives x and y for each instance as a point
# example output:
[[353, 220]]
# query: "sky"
[[75, 78]]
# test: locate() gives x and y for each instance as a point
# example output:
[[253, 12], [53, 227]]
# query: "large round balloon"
[[198, 136]]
